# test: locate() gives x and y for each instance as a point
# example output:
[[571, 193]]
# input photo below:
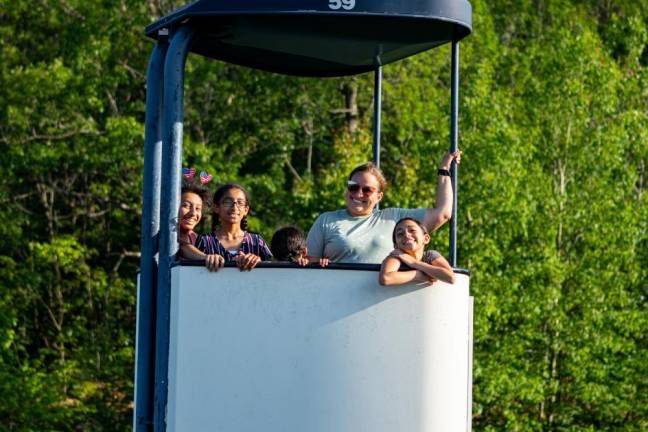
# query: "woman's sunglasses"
[[354, 187]]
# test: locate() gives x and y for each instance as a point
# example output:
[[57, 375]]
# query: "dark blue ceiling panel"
[[321, 37]]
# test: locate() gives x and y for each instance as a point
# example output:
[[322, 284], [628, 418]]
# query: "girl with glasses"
[[361, 233], [229, 238]]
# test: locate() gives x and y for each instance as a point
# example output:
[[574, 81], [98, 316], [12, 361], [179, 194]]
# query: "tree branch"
[[60, 137]]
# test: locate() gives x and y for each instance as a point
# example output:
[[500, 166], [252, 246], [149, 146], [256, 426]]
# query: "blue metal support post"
[[173, 118], [144, 374], [377, 111], [454, 137]]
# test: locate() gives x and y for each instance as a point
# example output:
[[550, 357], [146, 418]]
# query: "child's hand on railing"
[[214, 262], [246, 261]]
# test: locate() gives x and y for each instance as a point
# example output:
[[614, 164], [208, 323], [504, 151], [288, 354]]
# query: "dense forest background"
[[552, 223]]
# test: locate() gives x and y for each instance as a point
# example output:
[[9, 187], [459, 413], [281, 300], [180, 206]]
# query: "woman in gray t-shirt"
[[360, 233]]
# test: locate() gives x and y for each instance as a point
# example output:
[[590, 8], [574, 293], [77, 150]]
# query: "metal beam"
[[377, 112], [173, 118], [454, 135], [145, 347]]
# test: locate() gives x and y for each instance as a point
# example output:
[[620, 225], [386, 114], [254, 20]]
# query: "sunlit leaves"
[[553, 219]]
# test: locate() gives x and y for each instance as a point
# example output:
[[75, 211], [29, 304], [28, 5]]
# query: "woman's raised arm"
[[442, 210]]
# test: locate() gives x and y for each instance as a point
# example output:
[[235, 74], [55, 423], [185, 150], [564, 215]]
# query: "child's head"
[[288, 244], [193, 198], [410, 235], [231, 205]]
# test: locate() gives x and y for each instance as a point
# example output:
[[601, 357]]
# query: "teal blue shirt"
[[357, 239]]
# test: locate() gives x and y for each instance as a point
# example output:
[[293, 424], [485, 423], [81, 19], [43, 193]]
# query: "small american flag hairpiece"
[[205, 178], [189, 173]]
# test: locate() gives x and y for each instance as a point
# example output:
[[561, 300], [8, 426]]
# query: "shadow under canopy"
[[319, 38]]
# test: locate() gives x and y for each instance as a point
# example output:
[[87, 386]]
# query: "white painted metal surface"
[[309, 350]]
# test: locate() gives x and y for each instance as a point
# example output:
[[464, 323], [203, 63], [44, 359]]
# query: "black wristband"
[[443, 172]]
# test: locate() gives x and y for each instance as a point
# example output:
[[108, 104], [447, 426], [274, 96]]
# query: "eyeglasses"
[[229, 203], [354, 187]]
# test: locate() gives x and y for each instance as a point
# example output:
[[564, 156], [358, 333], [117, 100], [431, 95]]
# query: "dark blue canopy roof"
[[319, 37]]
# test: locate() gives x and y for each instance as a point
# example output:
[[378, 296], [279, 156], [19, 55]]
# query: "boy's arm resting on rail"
[[212, 262], [389, 274], [439, 269], [191, 252], [315, 244]]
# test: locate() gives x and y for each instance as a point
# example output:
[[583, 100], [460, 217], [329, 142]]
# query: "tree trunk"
[[350, 92]]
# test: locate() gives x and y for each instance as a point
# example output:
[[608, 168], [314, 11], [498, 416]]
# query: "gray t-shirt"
[[357, 239], [430, 256]]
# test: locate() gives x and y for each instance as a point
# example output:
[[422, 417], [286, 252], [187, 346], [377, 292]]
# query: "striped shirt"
[[252, 243]]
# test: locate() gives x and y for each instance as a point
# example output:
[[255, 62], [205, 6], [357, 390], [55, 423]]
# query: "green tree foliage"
[[72, 96], [566, 226], [553, 216]]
